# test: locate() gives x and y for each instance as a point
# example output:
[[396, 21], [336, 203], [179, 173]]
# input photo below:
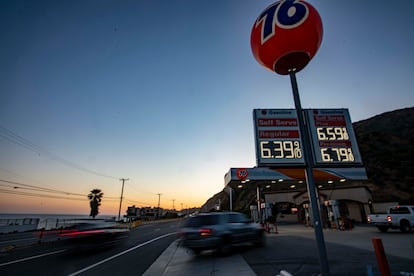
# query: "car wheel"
[[405, 226], [260, 239], [225, 246], [383, 229], [196, 251]]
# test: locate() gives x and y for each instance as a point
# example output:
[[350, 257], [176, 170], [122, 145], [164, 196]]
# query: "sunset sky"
[[162, 93]]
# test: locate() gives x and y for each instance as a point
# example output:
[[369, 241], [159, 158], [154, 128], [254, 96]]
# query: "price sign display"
[[278, 139], [333, 137]]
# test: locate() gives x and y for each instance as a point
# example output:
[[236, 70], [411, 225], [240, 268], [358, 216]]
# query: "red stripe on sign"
[[332, 120], [335, 144], [271, 134], [277, 122]]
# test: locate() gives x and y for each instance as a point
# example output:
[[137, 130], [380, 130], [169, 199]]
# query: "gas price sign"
[[278, 139], [333, 137]]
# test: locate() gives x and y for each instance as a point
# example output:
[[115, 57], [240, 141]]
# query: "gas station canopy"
[[286, 177]]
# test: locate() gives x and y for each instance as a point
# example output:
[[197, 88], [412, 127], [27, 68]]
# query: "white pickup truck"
[[397, 217]]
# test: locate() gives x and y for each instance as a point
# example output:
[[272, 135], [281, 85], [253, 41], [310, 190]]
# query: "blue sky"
[[162, 92]]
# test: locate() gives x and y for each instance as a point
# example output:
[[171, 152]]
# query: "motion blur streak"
[[121, 253], [33, 257]]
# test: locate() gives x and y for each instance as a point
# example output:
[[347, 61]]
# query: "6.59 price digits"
[[280, 149], [337, 154], [332, 133]]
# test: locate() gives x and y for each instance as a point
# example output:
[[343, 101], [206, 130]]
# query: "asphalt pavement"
[[293, 251]]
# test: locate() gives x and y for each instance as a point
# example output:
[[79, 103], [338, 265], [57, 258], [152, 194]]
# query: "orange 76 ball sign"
[[286, 36]]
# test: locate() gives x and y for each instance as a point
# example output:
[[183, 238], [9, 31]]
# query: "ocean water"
[[45, 221]]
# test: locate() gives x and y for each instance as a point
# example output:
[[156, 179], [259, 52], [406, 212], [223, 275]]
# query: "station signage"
[[333, 137], [279, 140]]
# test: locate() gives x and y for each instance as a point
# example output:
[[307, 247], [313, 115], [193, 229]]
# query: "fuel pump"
[[334, 215]]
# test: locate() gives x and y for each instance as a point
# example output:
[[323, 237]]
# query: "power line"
[[39, 195], [137, 202], [38, 188], [17, 139], [13, 137], [140, 191], [18, 185]]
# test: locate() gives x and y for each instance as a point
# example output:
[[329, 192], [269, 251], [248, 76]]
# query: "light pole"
[[313, 194], [284, 38], [158, 208], [122, 194]]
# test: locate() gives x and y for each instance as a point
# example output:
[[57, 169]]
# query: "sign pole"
[[313, 196]]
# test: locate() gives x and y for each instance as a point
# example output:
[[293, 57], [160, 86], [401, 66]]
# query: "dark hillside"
[[386, 142]]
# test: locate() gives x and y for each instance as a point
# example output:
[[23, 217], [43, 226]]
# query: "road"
[[143, 246], [293, 249]]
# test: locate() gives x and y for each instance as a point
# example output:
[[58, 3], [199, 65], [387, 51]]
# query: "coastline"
[[21, 222]]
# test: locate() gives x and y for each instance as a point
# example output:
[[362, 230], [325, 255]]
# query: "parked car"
[[397, 217], [220, 231]]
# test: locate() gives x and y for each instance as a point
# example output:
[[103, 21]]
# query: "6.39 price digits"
[[280, 149]]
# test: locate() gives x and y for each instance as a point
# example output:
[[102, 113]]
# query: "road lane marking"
[[33, 257], [120, 254], [27, 239]]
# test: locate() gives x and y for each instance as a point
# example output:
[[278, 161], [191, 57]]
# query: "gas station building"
[[342, 192]]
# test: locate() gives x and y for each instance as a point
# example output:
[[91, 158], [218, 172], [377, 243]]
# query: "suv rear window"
[[237, 218], [202, 221], [399, 210]]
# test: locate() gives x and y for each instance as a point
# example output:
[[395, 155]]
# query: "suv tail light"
[[389, 218], [78, 233], [205, 232]]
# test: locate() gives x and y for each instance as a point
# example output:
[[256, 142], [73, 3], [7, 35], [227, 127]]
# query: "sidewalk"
[[177, 261]]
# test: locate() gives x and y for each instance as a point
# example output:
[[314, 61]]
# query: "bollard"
[[381, 258]]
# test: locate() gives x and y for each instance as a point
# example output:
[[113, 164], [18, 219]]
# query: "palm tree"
[[95, 198]]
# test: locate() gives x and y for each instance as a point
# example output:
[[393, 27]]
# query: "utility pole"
[[122, 194], [158, 209], [173, 204]]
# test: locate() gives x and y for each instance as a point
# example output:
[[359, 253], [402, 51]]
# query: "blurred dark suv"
[[220, 231]]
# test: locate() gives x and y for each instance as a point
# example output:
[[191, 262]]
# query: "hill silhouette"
[[386, 144]]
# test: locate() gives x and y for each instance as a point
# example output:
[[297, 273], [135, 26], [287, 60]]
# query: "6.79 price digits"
[[337, 154], [280, 149]]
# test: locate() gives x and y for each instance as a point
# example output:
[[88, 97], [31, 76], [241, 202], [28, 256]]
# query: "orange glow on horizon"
[[38, 205]]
